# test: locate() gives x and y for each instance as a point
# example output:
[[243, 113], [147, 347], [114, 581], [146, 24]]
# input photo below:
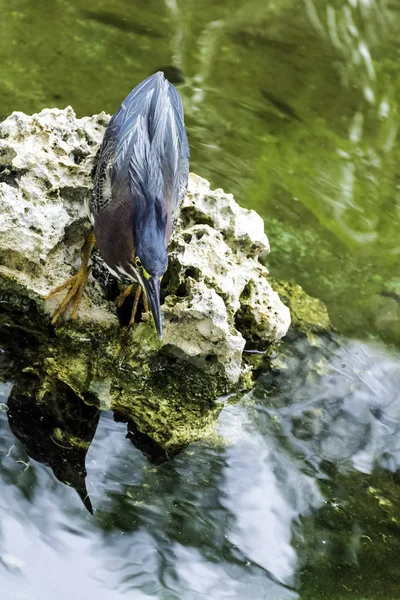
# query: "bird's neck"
[[149, 222]]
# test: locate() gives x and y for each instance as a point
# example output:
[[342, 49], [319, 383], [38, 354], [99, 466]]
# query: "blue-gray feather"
[[144, 161], [146, 145]]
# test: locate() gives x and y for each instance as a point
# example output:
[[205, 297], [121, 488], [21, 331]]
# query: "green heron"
[[139, 184]]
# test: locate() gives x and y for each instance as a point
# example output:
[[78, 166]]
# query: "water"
[[292, 106]]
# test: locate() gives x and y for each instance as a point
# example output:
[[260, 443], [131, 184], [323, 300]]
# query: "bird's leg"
[[76, 283], [123, 295], [138, 293], [145, 302]]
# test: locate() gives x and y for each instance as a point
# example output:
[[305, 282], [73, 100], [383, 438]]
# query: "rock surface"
[[216, 292]]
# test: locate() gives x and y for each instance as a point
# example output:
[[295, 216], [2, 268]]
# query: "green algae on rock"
[[309, 315], [167, 388]]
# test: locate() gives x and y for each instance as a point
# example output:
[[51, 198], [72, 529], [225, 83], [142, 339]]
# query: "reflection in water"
[[110, 19], [265, 505], [244, 519], [280, 105], [57, 433], [321, 435], [354, 30], [338, 403], [149, 447]]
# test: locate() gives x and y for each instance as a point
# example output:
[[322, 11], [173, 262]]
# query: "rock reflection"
[[57, 432], [148, 447]]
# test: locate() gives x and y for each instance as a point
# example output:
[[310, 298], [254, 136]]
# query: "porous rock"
[[216, 292]]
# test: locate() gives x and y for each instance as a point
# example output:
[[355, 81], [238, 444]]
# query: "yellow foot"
[[123, 295], [75, 285]]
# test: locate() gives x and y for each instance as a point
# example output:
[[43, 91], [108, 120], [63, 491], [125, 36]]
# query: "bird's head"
[[150, 265]]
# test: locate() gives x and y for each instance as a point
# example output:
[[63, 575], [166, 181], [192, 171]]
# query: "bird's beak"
[[153, 295]]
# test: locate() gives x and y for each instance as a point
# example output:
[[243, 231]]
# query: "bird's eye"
[[138, 263]]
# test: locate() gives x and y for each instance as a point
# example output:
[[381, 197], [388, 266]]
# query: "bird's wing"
[[111, 181], [145, 153], [102, 195], [182, 171], [131, 119]]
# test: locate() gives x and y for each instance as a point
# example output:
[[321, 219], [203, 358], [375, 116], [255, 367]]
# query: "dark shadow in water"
[[283, 107], [173, 74], [154, 453], [54, 425], [115, 20], [57, 432]]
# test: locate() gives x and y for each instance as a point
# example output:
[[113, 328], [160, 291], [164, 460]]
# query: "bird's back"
[[143, 170]]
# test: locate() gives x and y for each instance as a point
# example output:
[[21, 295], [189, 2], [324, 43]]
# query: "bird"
[[140, 182]]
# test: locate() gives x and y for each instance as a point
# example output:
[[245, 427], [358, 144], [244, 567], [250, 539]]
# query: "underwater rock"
[[216, 293]]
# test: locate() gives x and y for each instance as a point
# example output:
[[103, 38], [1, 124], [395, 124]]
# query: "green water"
[[292, 106]]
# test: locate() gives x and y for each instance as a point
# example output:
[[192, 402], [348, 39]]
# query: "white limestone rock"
[[203, 335], [242, 229], [46, 162], [218, 295]]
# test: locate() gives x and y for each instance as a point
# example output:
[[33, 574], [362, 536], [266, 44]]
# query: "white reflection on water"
[[340, 406], [45, 540], [265, 493], [210, 580], [347, 409]]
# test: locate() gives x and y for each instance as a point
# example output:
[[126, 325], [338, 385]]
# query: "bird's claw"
[[75, 285], [125, 293], [138, 293]]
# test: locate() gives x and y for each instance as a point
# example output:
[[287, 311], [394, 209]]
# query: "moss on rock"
[[309, 315]]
